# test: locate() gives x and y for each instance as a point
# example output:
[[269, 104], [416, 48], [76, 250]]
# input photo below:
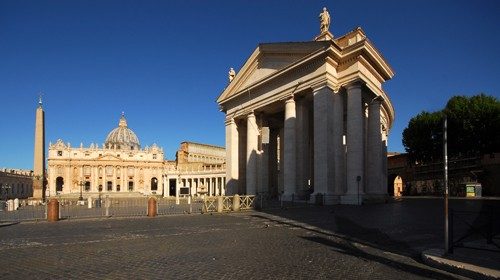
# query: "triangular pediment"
[[109, 157], [266, 60]]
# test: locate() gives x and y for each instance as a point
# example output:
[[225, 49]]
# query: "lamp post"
[[81, 195], [5, 189]]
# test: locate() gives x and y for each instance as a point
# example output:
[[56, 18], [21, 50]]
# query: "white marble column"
[[177, 189], [222, 191], [337, 144], [320, 118], [355, 149], [166, 186], [251, 168], [232, 167], [289, 155], [303, 155], [263, 161], [374, 149]]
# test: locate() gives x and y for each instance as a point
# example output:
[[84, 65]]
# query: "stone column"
[[251, 168], [355, 149], [232, 156], [263, 161], [273, 161], [337, 144], [320, 119], [374, 148], [177, 189], [222, 191], [303, 152], [289, 155], [166, 186]]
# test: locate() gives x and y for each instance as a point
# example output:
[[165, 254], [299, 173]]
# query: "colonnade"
[[322, 141], [195, 185]]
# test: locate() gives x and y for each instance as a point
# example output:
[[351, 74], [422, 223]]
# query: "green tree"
[[473, 128]]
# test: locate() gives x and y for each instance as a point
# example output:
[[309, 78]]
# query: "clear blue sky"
[[165, 62]]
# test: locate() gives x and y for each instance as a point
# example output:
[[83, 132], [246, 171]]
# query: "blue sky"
[[165, 62]]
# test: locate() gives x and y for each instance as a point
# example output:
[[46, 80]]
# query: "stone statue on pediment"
[[324, 19], [231, 74]]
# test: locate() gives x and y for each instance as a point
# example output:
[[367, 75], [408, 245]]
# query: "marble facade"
[[309, 118]]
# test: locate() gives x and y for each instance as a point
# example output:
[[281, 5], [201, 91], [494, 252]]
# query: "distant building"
[[15, 183], [121, 167], [413, 178]]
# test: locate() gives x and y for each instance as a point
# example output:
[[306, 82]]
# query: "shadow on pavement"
[[353, 251]]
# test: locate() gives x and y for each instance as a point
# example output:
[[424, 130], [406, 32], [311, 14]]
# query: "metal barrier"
[[168, 206], [470, 226], [24, 213]]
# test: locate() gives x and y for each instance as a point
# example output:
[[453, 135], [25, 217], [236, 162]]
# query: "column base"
[[289, 197], [325, 199], [351, 199]]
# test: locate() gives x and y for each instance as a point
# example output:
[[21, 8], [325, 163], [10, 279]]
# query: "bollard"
[[89, 202], [53, 210], [107, 204], [190, 206], [236, 202], [152, 209], [220, 204], [16, 203], [10, 205]]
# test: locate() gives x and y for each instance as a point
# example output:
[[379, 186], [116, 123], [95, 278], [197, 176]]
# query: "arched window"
[[154, 184], [59, 184]]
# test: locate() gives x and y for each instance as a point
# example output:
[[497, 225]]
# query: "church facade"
[[121, 167], [310, 118]]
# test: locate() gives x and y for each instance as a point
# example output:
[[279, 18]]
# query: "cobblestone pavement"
[[312, 243]]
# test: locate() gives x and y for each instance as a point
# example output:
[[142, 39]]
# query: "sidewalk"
[[473, 263]]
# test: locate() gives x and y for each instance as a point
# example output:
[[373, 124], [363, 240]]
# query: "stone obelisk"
[[39, 154]]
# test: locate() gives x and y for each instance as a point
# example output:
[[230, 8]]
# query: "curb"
[[437, 259]]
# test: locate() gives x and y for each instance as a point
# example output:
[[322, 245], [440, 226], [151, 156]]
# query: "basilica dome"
[[122, 137]]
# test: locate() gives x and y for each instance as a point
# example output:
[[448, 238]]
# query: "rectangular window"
[[154, 156]]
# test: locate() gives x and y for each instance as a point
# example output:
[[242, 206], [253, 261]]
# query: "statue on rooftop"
[[231, 73], [324, 19]]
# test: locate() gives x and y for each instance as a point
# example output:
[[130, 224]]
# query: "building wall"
[[15, 183], [98, 166], [89, 169]]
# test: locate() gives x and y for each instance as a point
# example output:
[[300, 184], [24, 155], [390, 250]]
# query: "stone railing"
[[228, 203]]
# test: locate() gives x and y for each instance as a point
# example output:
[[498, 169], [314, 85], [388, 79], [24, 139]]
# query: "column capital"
[[357, 84], [290, 99], [251, 114], [229, 121], [377, 100], [326, 84]]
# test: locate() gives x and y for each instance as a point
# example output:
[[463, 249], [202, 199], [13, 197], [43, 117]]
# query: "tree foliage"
[[473, 128]]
